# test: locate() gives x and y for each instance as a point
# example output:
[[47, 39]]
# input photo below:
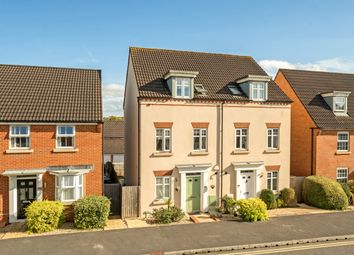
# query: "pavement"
[[185, 236]]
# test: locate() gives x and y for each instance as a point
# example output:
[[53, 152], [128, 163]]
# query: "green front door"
[[193, 194]]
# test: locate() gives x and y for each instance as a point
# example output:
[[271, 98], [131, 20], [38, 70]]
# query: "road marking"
[[294, 248]]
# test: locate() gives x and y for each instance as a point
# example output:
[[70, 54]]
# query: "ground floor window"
[[342, 175], [69, 187], [163, 185], [272, 180]]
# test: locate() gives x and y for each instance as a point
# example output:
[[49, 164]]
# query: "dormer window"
[[255, 86], [183, 87], [337, 101], [181, 83]]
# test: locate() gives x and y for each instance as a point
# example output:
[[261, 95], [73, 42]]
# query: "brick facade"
[[43, 141]]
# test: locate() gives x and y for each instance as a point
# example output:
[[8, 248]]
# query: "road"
[[324, 248]]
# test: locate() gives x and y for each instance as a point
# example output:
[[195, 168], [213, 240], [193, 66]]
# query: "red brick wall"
[[88, 142], [327, 160], [301, 123]]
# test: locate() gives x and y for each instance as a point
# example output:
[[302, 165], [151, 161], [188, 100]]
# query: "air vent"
[[234, 90], [199, 88]]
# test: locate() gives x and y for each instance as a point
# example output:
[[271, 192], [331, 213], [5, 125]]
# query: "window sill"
[[240, 152], [19, 151], [159, 202], [343, 152], [199, 153], [67, 202], [64, 150], [271, 151], [162, 154]]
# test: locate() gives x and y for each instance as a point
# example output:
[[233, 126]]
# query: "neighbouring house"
[[322, 123], [50, 136], [113, 145], [199, 126]]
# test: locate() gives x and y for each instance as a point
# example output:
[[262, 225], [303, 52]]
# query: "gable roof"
[[113, 137], [308, 86], [49, 94], [215, 73]]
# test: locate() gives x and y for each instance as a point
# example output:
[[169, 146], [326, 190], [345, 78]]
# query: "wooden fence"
[[114, 192], [130, 201]]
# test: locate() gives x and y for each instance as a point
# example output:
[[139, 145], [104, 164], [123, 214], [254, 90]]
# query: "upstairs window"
[[339, 104], [241, 138], [19, 137], [343, 141], [200, 136], [65, 136], [183, 87], [258, 91], [163, 139], [273, 138]]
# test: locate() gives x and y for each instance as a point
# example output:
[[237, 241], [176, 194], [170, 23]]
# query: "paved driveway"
[[182, 237]]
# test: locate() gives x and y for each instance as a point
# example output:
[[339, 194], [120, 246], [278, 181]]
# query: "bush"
[[252, 209], [324, 193], [167, 215], [228, 204], [348, 192], [268, 198], [91, 212], [351, 185], [287, 195], [280, 203], [44, 216]]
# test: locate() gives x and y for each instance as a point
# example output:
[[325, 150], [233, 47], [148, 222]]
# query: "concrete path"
[[183, 237]]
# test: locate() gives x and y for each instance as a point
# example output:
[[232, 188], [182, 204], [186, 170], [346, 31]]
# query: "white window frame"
[[164, 138], [163, 184], [272, 178], [77, 187], [241, 136], [272, 140], [201, 136], [344, 106], [28, 136], [339, 174], [73, 135], [343, 141], [183, 86], [256, 89]]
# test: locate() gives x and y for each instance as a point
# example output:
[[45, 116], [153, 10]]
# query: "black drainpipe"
[[312, 145], [222, 150]]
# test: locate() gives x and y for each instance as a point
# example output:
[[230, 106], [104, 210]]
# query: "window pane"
[[275, 142], [204, 143], [158, 143], [159, 132], [79, 192], [159, 180], [204, 132], [167, 143], [80, 179], [238, 142], [269, 141], [68, 194], [70, 130], [187, 91], [23, 130], [244, 142], [167, 180], [159, 192], [196, 132], [179, 91], [167, 191], [68, 180], [275, 184], [196, 143]]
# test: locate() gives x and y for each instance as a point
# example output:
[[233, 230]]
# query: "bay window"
[[69, 187], [163, 187]]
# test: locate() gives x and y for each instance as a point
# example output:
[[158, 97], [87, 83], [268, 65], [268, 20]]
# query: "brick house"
[[199, 126], [50, 136], [322, 123]]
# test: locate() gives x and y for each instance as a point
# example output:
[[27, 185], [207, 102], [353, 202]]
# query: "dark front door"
[[26, 193]]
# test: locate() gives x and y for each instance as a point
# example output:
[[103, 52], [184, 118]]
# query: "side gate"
[[130, 201], [114, 192]]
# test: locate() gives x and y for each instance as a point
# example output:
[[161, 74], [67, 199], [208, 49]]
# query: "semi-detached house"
[[199, 126], [50, 136]]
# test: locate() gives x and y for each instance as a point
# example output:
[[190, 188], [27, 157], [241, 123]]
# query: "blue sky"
[[96, 34]]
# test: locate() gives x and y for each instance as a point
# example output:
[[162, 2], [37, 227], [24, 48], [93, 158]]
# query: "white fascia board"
[[264, 78], [179, 73]]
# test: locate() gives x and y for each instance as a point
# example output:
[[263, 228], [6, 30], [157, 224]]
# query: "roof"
[[308, 86], [215, 73], [113, 137], [49, 94]]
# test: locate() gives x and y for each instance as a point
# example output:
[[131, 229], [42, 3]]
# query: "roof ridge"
[[190, 51], [313, 71], [53, 67]]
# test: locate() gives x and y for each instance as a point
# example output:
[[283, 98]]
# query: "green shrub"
[[347, 191], [91, 212], [268, 198], [324, 193], [287, 195], [167, 215], [280, 203], [351, 185], [228, 205], [44, 216], [252, 209]]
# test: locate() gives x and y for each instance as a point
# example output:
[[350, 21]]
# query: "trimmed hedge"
[[91, 212], [324, 193], [348, 192], [44, 216], [268, 198], [252, 209], [287, 195]]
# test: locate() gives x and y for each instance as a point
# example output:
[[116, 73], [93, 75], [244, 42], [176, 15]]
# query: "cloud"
[[112, 96], [333, 64]]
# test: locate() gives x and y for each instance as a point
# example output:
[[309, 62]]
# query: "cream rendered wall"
[[257, 115], [131, 127]]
